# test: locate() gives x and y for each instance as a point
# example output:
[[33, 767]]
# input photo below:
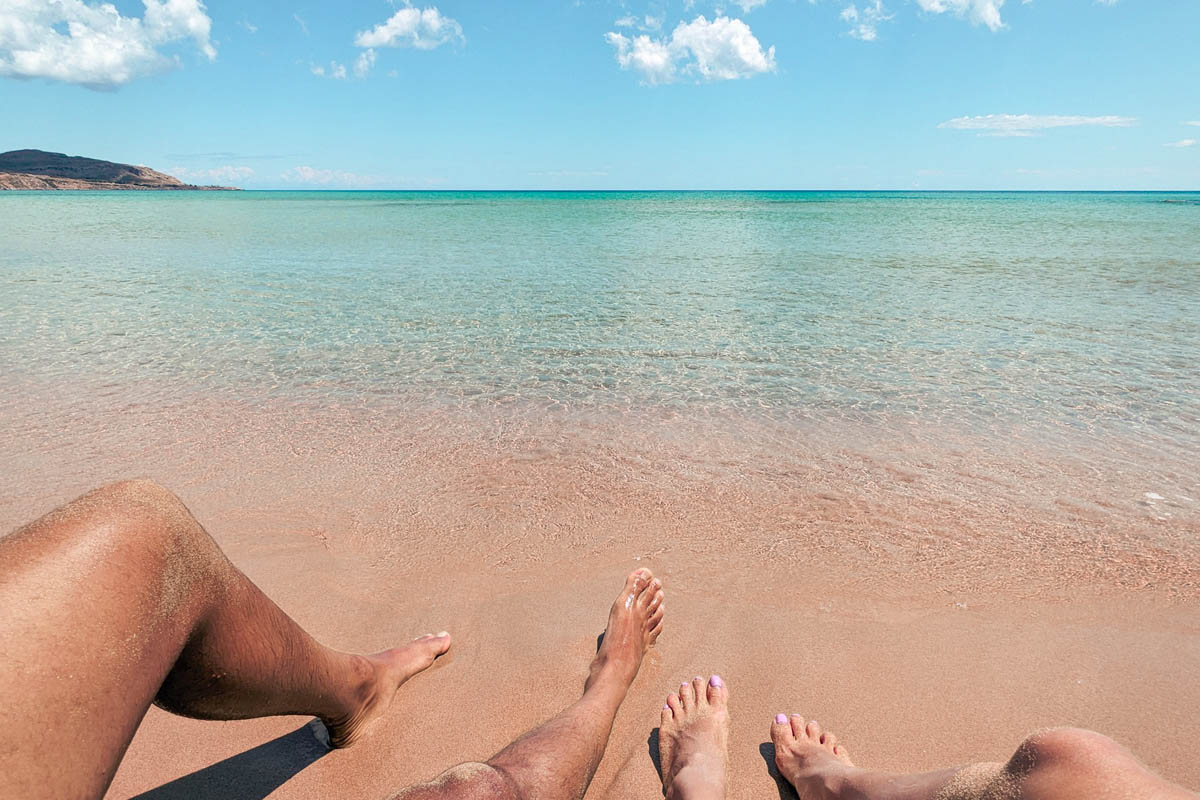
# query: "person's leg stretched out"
[[1058, 764]]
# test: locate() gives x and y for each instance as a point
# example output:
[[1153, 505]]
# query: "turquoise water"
[[1063, 311]]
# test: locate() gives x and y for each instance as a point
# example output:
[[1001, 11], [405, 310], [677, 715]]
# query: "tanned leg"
[[556, 761], [120, 599], [1058, 764], [693, 741]]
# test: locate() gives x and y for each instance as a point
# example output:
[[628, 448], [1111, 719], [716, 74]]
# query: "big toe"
[[781, 732], [717, 692], [637, 581]]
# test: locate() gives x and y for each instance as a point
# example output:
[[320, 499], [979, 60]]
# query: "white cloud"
[[326, 177], [300, 21], [1027, 124], [1183, 143], [364, 63], [1194, 123], [223, 175], [92, 44], [627, 21], [422, 28], [864, 24], [749, 5], [248, 26], [723, 49], [336, 71], [979, 12]]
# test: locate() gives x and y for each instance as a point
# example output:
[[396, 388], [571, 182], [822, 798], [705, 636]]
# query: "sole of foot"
[[383, 674], [693, 740]]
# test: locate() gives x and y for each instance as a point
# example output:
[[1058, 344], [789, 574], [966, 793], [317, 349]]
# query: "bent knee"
[[1065, 747], [131, 516], [474, 781]]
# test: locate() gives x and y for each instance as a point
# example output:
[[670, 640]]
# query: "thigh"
[[93, 613]]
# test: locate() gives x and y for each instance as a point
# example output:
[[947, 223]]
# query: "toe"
[[638, 580], [688, 696], [813, 729], [650, 591], [829, 740], [675, 704], [668, 716], [698, 684], [797, 723], [716, 692], [656, 601], [781, 733]]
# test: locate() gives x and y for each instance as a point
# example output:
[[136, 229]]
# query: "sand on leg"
[[120, 599], [556, 760], [693, 740], [1057, 764]]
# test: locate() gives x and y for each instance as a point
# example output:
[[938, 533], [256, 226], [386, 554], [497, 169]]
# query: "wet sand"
[[929, 597]]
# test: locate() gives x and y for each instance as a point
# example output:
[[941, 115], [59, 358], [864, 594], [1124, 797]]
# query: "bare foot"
[[382, 674], [811, 760], [693, 740], [633, 626]]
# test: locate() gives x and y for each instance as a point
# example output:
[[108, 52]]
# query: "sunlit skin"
[[127, 584]]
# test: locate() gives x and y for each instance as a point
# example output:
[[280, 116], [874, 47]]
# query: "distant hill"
[[37, 169]]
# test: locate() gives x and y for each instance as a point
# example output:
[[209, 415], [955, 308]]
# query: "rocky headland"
[[37, 169]]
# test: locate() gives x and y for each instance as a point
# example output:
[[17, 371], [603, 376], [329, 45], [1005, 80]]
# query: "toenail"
[[781, 718], [666, 708], [699, 677], [716, 681], [443, 633]]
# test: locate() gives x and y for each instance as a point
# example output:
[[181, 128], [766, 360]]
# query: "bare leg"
[[693, 741], [120, 599], [556, 761], [1058, 764]]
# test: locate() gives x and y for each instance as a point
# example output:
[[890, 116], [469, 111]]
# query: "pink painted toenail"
[[781, 718], [666, 708], [716, 681]]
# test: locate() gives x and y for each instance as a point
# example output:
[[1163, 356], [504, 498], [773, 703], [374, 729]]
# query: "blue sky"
[[632, 94]]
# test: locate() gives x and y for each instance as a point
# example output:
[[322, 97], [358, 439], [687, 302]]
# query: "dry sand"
[[931, 599]]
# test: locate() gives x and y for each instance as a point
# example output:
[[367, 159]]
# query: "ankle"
[[824, 784], [702, 777], [606, 670]]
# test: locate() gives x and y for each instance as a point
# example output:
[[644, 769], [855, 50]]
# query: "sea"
[[962, 363]]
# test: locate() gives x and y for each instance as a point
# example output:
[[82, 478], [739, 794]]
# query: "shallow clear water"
[[1078, 310]]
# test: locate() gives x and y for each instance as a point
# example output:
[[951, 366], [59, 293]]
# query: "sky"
[[614, 94]]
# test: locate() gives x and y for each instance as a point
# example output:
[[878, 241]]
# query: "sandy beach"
[[873, 589]]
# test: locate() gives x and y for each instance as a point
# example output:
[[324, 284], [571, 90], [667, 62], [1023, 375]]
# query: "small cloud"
[[724, 49], [864, 24], [571, 173], [1194, 123], [327, 177], [627, 21], [248, 26], [746, 5], [978, 12], [364, 63], [1029, 124], [420, 28], [1182, 143], [300, 21], [336, 71], [224, 175]]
